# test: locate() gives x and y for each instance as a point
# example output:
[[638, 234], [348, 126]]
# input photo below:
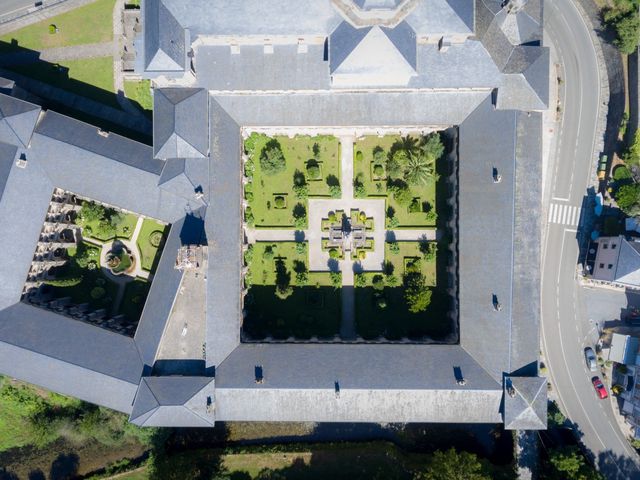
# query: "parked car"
[[590, 357], [600, 388]]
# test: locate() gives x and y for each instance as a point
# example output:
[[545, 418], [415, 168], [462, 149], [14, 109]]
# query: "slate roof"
[[628, 266], [7, 156], [180, 127], [525, 408], [17, 121], [166, 41], [176, 400]]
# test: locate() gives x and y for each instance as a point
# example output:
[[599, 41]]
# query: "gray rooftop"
[[197, 150]]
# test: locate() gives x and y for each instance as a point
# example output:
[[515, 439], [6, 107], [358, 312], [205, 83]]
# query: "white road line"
[[564, 214], [555, 212], [553, 207], [576, 216]]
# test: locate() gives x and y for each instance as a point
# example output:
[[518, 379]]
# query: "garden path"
[[346, 155]]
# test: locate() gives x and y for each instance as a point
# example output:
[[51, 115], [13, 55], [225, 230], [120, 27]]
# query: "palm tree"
[[419, 169]]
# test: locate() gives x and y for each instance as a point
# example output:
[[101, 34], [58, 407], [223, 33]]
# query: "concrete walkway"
[[346, 169], [348, 322]]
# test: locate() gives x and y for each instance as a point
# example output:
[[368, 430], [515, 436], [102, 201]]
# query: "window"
[[602, 265], [610, 266], [605, 245], [613, 246]]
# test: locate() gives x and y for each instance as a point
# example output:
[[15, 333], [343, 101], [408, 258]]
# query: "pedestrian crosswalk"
[[564, 214]]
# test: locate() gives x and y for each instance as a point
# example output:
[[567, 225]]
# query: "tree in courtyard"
[[300, 186], [431, 146], [453, 465], [401, 193], [360, 280], [336, 279], [272, 159], [419, 169], [628, 199], [396, 163], [571, 464], [416, 293], [92, 212], [299, 216], [313, 169]]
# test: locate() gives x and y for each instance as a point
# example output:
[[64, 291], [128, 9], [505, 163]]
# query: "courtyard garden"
[[401, 170], [111, 265], [285, 299], [284, 172]]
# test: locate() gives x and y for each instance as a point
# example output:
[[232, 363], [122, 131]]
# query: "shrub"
[[621, 172], [628, 199], [431, 216], [64, 282], [416, 293], [284, 292], [378, 170], [300, 222], [393, 222], [97, 293], [332, 217], [53, 29], [359, 191], [301, 248], [336, 279], [378, 282], [301, 191], [334, 253], [272, 159], [335, 191], [248, 216], [381, 303], [302, 278], [402, 194], [379, 155], [394, 247], [359, 156], [313, 170], [362, 255], [279, 202], [360, 280], [248, 255], [362, 217], [415, 206], [248, 196], [269, 252], [391, 280], [155, 238]]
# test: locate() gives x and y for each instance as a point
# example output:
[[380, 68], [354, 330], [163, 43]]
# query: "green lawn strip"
[[297, 151], [91, 23], [139, 91], [149, 253], [124, 229], [135, 294], [263, 266], [377, 188], [90, 77]]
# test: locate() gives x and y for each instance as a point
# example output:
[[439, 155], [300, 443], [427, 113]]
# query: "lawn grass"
[[135, 295], [150, 255], [124, 229], [410, 250], [139, 91], [90, 77], [312, 309], [91, 23], [297, 151], [378, 188], [395, 321]]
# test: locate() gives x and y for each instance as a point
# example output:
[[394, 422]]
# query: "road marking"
[[564, 214], [560, 199]]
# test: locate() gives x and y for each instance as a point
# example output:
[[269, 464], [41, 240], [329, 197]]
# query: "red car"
[[600, 388]]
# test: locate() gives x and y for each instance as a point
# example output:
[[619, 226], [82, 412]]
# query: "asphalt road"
[[8, 7], [565, 328]]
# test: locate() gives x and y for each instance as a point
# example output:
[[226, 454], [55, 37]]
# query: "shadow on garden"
[[17, 62]]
